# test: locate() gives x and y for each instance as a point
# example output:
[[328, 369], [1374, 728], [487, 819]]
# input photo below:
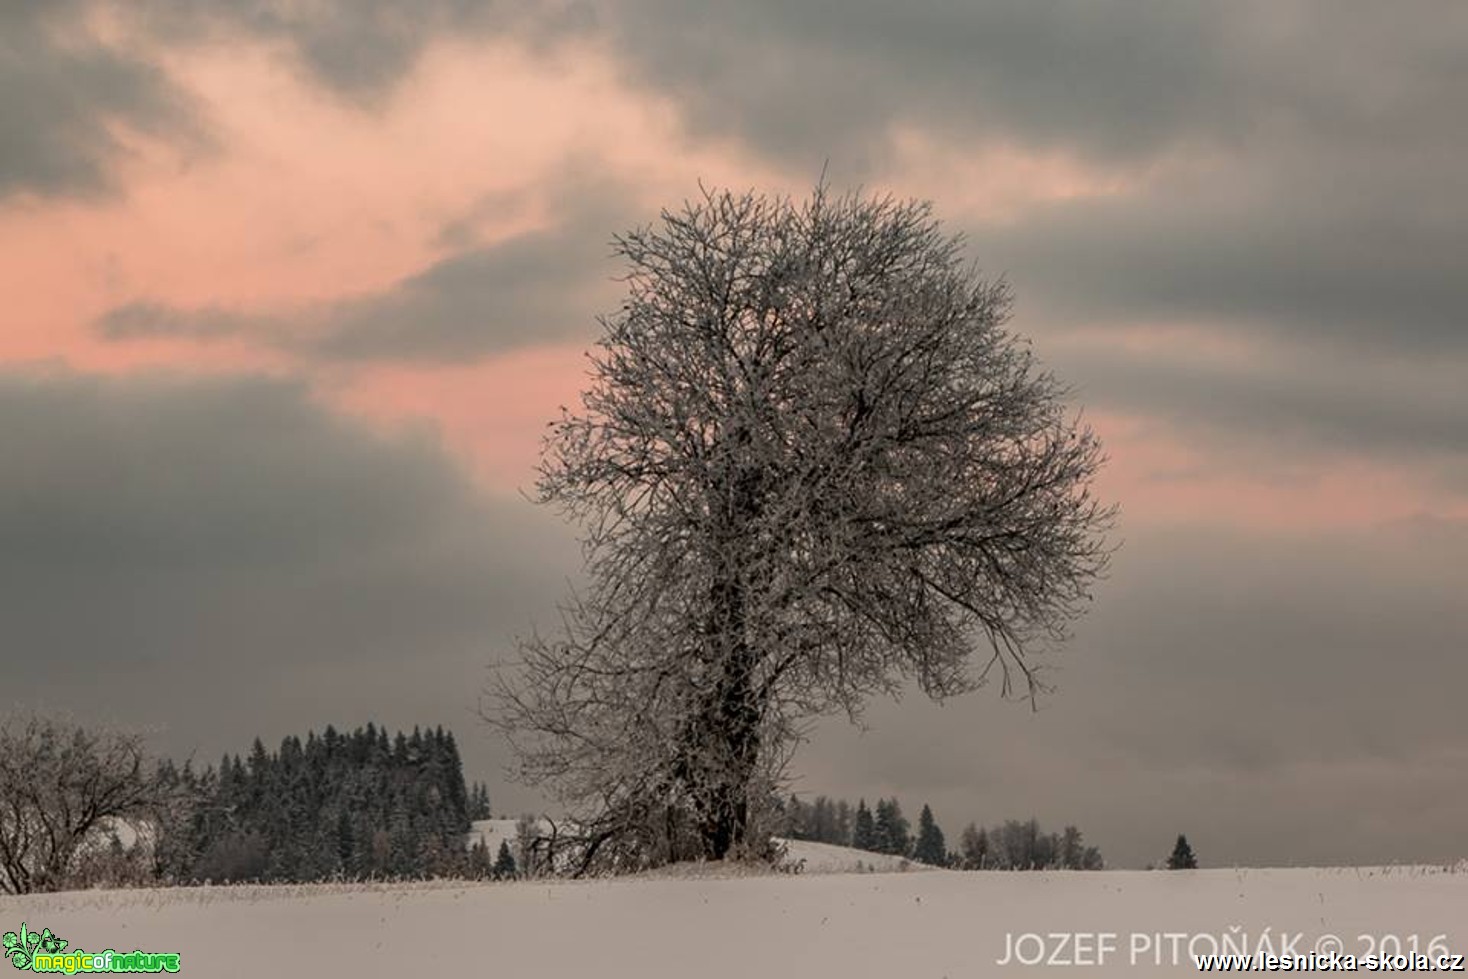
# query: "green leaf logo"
[[21, 947]]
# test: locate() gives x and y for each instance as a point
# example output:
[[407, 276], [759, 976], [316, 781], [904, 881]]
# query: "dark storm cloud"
[[227, 558], [536, 287], [62, 92]]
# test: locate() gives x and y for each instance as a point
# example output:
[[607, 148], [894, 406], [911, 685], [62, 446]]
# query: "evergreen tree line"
[[1012, 845], [337, 806]]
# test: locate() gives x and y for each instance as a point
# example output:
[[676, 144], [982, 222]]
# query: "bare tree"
[[812, 465], [61, 785]]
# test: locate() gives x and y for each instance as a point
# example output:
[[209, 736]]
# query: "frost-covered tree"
[[62, 786], [812, 465], [973, 853]]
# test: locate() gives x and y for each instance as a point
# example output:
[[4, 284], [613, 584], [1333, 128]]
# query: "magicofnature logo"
[[44, 951]]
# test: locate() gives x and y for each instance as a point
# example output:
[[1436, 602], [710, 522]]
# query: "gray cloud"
[[1280, 412], [536, 287], [1366, 254], [359, 49], [803, 82], [62, 92], [1349, 280], [1120, 81], [224, 558], [1297, 165], [1281, 698], [142, 319]]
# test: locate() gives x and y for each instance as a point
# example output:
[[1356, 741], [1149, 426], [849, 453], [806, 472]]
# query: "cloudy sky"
[[290, 290]]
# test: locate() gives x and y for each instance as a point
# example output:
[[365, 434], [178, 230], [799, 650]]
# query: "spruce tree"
[[478, 802], [892, 835], [1182, 856], [864, 829], [823, 821], [480, 865], [843, 823], [504, 863], [930, 848]]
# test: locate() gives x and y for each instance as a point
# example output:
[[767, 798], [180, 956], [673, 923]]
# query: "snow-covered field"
[[847, 925]]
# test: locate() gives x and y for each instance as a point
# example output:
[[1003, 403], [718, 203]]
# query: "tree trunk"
[[734, 732], [727, 731]]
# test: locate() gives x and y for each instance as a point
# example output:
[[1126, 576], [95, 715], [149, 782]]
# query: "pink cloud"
[[492, 415], [1162, 476]]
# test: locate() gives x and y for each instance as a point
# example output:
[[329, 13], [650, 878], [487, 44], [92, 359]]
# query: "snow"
[[937, 923], [493, 832]]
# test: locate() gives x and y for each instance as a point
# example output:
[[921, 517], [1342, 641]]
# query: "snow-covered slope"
[[823, 858], [842, 925], [801, 855]]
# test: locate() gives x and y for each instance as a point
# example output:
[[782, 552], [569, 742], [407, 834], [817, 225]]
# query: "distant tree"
[[1044, 848], [798, 819], [176, 818], [478, 806], [973, 853], [823, 820], [1020, 845], [1182, 856], [235, 856], [1073, 854], [480, 864], [843, 823], [504, 862], [930, 847], [527, 845], [892, 830], [1071, 850], [864, 828]]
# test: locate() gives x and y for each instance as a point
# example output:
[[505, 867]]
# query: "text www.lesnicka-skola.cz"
[[1331, 962], [1234, 950]]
